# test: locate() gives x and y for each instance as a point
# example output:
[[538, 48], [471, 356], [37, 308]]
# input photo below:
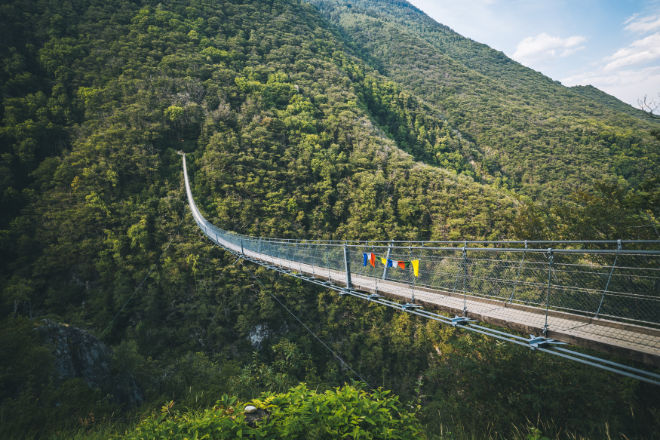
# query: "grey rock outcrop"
[[78, 354]]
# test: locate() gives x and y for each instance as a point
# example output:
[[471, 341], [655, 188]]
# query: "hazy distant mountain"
[[610, 101]]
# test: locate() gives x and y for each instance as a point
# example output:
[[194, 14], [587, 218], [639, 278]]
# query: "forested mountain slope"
[[289, 133], [537, 136]]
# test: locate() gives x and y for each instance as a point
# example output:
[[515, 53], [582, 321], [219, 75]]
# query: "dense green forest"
[[299, 120]]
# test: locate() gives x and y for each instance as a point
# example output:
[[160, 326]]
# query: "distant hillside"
[[537, 136], [608, 100]]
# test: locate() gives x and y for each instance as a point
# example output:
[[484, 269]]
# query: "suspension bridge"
[[600, 295]]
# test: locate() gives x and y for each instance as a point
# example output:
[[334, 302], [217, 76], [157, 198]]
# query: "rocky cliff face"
[[78, 354]]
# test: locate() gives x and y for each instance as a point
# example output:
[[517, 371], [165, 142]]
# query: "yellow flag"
[[415, 265], [384, 261]]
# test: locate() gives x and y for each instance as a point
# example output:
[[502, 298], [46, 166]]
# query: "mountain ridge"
[[610, 100]]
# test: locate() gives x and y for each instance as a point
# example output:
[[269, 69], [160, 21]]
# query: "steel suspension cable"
[[334, 353]]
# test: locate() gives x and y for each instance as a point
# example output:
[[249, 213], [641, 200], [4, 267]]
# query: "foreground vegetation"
[[299, 413], [293, 131]]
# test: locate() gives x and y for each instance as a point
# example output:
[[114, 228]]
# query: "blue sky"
[[611, 44]]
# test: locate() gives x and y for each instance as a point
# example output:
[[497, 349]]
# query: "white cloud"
[[627, 84], [544, 45], [642, 24], [640, 51]]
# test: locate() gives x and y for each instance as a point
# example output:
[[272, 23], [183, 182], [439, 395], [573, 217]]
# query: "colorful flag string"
[[371, 258]]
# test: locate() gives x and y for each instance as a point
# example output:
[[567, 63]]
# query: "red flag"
[[402, 264], [372, 259]]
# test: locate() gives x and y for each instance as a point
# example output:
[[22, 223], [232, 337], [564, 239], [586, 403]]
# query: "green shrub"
[[300, 413]]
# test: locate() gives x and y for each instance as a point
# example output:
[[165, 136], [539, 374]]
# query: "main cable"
[[334, 353]]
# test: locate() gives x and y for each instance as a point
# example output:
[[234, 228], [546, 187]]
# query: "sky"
[[611, 44]]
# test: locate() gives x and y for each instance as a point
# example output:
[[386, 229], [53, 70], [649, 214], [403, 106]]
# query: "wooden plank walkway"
[[628, 340]]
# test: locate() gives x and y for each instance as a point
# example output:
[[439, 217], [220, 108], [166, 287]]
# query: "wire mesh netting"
[[619, 285], [605, 293], [616, 280]]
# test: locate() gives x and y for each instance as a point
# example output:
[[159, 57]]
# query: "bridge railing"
[[615, 280], [614, 284]]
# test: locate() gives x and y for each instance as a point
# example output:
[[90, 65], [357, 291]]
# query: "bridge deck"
[[633, 341], [639, 343]]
